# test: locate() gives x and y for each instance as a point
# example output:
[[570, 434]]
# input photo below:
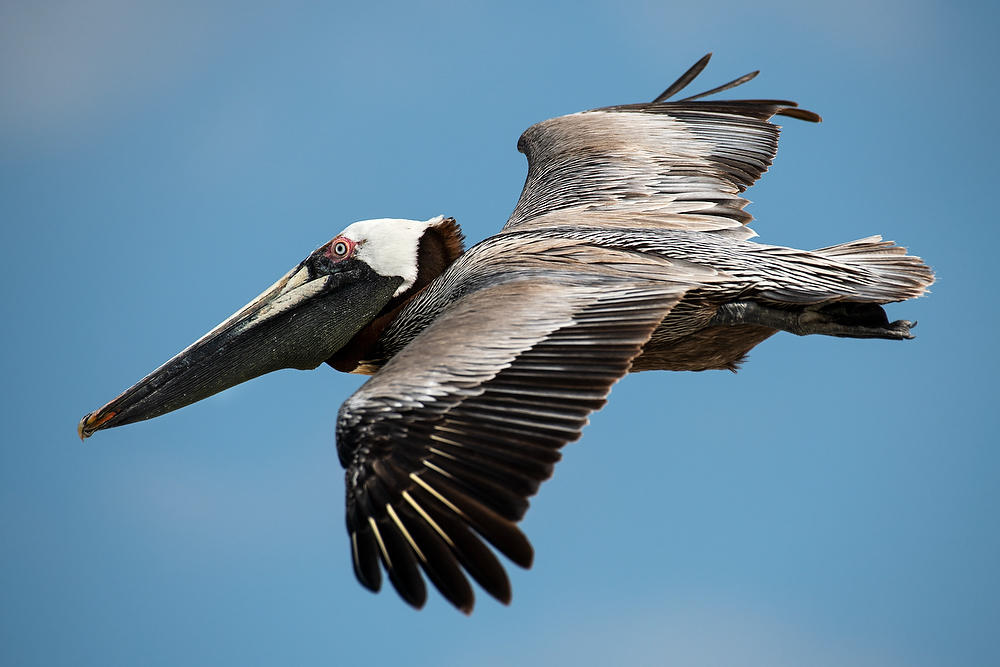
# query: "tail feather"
[[900, 276]]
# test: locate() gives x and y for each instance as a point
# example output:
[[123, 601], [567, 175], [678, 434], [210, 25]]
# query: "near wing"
[[673, 165], [444, 445]]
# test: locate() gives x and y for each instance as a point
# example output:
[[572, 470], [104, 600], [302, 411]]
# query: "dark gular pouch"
[[295, 324]]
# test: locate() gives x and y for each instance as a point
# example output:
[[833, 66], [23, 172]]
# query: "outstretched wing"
[[445, 444], [673, 165]]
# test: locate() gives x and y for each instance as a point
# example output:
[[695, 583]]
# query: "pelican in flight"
[[628, 250]]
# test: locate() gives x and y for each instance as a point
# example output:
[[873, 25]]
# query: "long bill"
[[299, 322]]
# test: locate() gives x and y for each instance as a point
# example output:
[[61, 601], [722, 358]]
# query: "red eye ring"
[[340, 248]]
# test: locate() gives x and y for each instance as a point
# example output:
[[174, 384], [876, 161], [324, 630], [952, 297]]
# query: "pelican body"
[[628, 251]]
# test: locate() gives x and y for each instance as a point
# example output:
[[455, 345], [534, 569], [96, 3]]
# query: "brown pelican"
[[628, 250]]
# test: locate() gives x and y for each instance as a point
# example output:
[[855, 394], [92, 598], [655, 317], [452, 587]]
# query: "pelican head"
[[299, 322]]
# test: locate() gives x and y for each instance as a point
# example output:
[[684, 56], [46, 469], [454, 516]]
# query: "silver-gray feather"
[[450, 435], [670, 166]]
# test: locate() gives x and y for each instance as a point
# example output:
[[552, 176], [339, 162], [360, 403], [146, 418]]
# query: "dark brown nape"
[[450, 236], [439, 246]]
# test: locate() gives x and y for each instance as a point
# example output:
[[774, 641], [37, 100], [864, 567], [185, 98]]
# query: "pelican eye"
[[340, 248]]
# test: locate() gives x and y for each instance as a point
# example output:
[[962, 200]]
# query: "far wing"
[[445, 444], [672, 165]]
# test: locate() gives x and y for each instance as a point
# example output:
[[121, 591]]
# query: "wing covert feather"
[[672, 165], [444, 445]]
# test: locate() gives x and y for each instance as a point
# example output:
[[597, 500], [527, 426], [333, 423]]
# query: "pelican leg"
[[846, 320]]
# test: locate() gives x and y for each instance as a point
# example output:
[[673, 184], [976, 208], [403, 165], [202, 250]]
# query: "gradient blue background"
[[835, 503]]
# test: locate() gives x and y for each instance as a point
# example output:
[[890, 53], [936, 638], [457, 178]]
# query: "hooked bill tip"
[[91, 422], [79, 429]]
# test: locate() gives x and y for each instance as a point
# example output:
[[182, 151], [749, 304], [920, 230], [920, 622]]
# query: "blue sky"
[[161, 163]]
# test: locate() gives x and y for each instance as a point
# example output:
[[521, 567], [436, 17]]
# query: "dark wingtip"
[[726, 86], [801, 114], [787, 108], [684, 79]]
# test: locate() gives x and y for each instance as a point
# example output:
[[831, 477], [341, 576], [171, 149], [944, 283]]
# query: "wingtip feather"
[[684, 79], [801, 114]]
